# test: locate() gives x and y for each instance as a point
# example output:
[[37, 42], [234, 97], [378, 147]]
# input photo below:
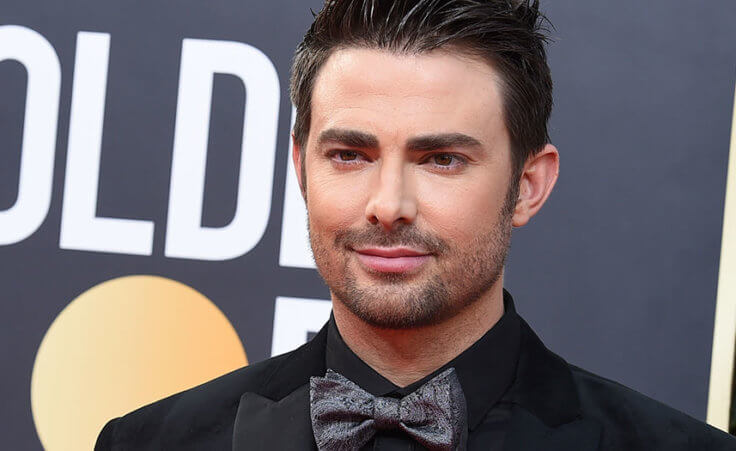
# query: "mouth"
[[392, 259]]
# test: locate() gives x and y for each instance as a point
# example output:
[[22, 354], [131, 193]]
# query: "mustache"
[[401, 236]]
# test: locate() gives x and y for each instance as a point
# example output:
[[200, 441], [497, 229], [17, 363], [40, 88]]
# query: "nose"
[[392, 200]]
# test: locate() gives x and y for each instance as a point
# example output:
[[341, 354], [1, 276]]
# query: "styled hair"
[[509, 34]]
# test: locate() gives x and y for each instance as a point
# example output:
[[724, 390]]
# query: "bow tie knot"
[[346, 417], [386, 414]]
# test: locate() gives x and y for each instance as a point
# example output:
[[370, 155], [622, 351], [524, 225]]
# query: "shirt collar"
[[485, 370]]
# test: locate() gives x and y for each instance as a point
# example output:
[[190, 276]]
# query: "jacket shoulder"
[[206, 411], [633, 421]]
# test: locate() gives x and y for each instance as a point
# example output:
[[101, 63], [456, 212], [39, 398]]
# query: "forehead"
[[388, 93]]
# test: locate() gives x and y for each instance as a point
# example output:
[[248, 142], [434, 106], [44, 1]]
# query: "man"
[[420, 141]]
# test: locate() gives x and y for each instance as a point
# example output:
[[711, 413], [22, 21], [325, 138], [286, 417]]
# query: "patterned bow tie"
[[345, 417]]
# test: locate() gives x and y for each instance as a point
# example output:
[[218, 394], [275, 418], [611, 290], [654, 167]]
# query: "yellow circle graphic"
[[120, 345]]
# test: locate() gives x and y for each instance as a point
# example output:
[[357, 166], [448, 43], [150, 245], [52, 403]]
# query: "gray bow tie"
[[345, 417]]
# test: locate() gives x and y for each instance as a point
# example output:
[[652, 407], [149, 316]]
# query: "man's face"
[[408, 169]]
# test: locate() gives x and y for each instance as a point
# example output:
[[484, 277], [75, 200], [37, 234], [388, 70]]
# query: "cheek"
[[334, 203], [463, 210]]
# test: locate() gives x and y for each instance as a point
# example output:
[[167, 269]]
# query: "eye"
[[443, 159], [346, 155], [345, 158]]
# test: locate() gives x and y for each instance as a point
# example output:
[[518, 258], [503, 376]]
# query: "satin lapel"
[[527, 433], [303, 363], [546, 414], [262, 424], [277, 416]]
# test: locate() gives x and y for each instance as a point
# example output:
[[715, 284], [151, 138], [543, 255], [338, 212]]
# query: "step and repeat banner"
[[152, 235]]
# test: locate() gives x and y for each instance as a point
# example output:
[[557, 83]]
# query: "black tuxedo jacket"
[[265, 406]]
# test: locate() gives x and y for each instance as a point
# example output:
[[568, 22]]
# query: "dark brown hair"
[[509, 34]]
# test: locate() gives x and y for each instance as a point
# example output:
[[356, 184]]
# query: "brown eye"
[[443, 159], [347, 155]]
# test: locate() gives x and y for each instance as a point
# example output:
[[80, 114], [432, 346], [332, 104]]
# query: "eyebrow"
[[423, 143], [427, 143], [350, 138]]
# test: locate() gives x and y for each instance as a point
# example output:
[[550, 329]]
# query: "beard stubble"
[[398, 301]]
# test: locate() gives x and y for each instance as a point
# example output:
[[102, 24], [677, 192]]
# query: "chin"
[[394, 308]]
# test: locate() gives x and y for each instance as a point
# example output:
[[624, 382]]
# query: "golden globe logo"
[[130, 341], [120, 345], [81, 227]]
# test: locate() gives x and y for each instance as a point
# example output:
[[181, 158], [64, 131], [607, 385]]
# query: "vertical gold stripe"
[[724, 335]]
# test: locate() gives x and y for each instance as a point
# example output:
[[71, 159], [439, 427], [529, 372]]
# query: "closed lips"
[[392, 260]]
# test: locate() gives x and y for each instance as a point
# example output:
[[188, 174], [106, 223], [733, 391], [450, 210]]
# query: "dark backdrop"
[[617, 274]]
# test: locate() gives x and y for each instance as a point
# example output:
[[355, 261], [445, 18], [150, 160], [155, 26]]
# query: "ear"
[[538, 177], [296, 158]]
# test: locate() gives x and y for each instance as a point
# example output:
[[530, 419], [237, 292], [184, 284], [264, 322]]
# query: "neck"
[[404, 356]]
